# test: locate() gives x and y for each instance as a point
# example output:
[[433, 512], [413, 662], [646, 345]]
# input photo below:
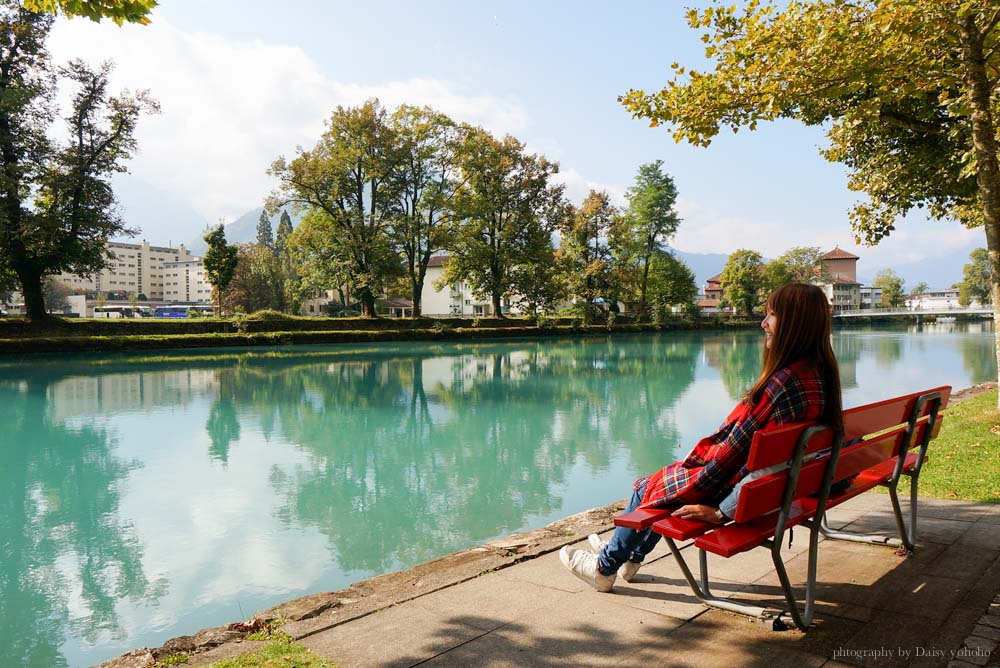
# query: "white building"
[[185, 282], [133, 269], [870, 296], [936, 300], [455, 299]]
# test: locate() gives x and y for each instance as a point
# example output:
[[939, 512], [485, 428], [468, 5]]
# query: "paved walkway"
[[873, 607]]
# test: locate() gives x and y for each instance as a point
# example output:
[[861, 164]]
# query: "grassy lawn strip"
[[280, 653], [964, 460]]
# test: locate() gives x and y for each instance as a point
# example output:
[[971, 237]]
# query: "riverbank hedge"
[[20, 337]]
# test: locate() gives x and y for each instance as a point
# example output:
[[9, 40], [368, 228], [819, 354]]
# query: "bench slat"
[[765, 494], [740, 537], [736, 537], [681, 529], [641, 518], [774, 445]]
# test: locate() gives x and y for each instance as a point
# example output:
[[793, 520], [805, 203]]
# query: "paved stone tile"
[[962, 560], [399, 636], [950, 510], [548, 571], [983, 536], [929, 529], [590, 630], [727, 640], [661, 588], [491, 651], [991, 514], [892, 640], [491, 600], [851, 577]]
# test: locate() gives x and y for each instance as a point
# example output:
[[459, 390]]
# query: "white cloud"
[[230, 107], [578, 187]]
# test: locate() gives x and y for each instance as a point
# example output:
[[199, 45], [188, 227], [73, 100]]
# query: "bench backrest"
[[873, 433]]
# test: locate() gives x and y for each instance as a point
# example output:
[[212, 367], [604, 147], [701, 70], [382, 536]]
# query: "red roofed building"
[[840, 282], [838, 263]]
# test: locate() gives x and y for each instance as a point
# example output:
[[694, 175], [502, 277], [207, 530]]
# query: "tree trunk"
[[416, 290], [368, 305], [988, 169], [497, 310], [642, 290], [34, 296]]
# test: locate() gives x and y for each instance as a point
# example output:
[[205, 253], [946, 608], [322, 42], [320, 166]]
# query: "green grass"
[[280, 653], [964, 460]]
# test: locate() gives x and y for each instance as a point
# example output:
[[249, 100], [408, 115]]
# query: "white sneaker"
[[583, 565], [627, 571], [596, 544]]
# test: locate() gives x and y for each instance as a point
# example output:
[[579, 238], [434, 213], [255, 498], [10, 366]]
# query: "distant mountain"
[[162, 219], [704, 265], [243, 230]]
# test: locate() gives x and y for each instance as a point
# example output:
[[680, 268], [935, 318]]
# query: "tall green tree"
[[775, 274], [648, 223], [426, 176], [891, 286], [284, 231], [671, 282], [348, 176], [803, 263], [906, 90], [265, 235], [507, 205], [584, 246], [287, 267], [975, 283], [319, 259], [257, 282], [57, 208], [743, 281], [220, 262], [919, 289]]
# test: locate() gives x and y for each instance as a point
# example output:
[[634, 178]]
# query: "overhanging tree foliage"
[[119, 11], [56, 203], [907, 90]]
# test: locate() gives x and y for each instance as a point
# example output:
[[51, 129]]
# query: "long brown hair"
[[802, 334]]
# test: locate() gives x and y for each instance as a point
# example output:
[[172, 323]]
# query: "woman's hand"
[[698, 512]]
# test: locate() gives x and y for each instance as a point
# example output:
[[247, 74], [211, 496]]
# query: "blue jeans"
[[627, 544]]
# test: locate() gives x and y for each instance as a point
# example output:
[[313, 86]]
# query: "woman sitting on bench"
[[800, 381]]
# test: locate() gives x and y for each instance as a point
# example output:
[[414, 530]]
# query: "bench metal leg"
[[769, 616], [804, 618], [906, 540]]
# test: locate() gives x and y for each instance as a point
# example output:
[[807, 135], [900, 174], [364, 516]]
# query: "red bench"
[[881, 443]]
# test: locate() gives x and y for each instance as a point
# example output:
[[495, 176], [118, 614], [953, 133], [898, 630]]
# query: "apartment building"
[[185, 282], [133, 268]]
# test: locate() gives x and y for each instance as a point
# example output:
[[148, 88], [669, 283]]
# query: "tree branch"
[[901, 120]]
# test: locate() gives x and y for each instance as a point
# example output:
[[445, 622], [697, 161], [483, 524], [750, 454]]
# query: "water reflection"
[[195, 487], [68, 557]]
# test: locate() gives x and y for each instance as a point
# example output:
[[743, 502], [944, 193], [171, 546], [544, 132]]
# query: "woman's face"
[[770, 326]]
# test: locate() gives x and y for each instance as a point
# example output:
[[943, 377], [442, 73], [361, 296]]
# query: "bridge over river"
[[882, 312]]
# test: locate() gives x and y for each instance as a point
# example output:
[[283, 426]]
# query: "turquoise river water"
[[148, 497]]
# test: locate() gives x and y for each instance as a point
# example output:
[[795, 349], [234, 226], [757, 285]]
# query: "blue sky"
[[241, 82]]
